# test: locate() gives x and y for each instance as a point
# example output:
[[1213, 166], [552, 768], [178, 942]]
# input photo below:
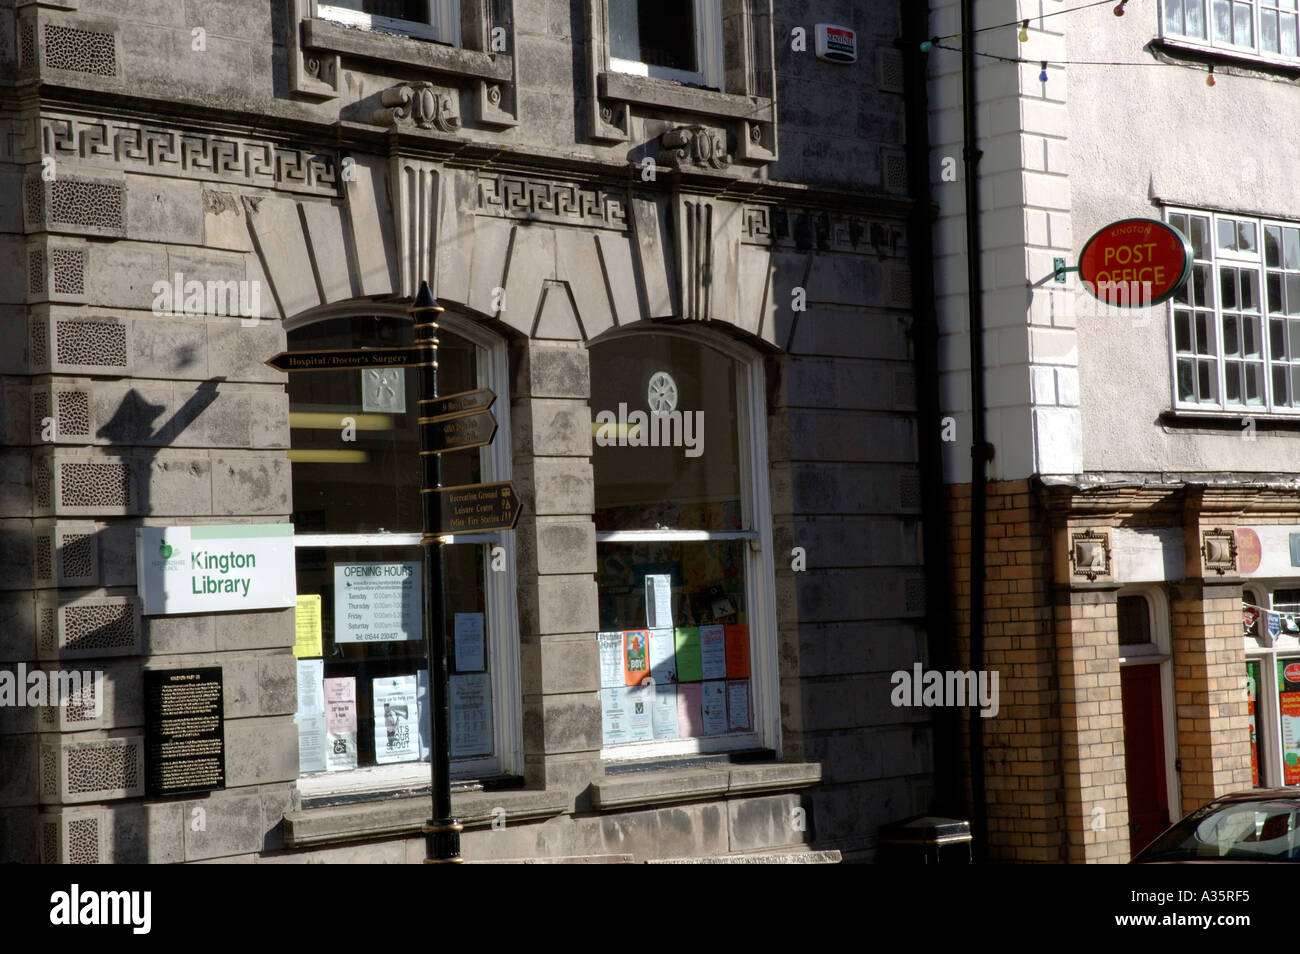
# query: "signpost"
[[451, 423]]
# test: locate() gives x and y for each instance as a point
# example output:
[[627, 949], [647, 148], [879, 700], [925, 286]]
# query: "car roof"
[[1260, 794]]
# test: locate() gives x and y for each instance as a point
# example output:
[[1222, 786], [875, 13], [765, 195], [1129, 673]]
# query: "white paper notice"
[[422, 698], [640, 703], [613, 717], [397, 731], [658, 600], [311, 691], [738, 705], [341, 723], [713, 652], [377, 602], [664, 715], [625, 715], [311, 743], [713, 700], [663, 657], [611, 659], [469, 642], [471, 715]]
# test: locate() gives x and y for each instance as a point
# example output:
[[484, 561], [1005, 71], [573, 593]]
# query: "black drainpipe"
[[980, 451], [925, 343]]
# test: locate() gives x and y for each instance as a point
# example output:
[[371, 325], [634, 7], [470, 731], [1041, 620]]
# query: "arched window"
[[355, 444], [683, 539]]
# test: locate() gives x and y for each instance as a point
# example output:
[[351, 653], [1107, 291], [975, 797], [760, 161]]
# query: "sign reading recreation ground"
[[215, 569], [1135, 263], [185, 736], [478, 508]]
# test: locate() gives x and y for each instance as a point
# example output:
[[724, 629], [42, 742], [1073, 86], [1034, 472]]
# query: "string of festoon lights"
[[1022, 27]]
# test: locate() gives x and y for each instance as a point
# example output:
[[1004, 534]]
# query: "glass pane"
[[624, 37], [1179, 221], [1204, 343], [414, 10], [1227, 235], [1288, 33], [1246, 236], [1254, 383], [1253, 708], [1250, 344], [1268, 30], [1293, 294], [676, 470], [1230, 325], [1201, 285], [1295, 381], [1248, 286], [1232, 382], [1243, 27], [1208, 386], [657, 32], [1227, 288], [1279, 386], [1273, 246], [1183, 331], [1174, 16], [1186, 384], [698, 658], [1194, 10], [1223, 21], [1134, 620], [1200, 237], [1291, 248], [1295, 338], [372, 636], [367, 479], [1277, 340], [1276, 302]]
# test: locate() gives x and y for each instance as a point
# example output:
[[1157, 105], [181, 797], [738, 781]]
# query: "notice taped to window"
[[377, 602]]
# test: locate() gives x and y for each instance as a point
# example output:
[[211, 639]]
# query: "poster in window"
[[663, 718], [738, 652], [1252, 693], [469, 642], [658, 600], [738, 706], [713, 652], [636, 650], [611, 659], [713, 700], [615, 717], [640, 706], [1288, 682], [663, 653], [471, 715], [377, 602], [307, 627], [690, 718], [340, 723], [310, 717], [688, 654], [397, 727], [422, 700]]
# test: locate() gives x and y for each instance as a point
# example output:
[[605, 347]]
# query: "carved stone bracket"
[[420, 104], [694, 146]]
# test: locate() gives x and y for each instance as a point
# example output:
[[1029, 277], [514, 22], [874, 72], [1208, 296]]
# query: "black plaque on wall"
[[185, 733]]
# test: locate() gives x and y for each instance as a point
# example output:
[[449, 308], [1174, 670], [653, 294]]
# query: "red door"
[[1144, 754]]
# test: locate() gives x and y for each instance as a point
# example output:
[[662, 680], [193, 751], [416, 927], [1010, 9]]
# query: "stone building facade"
[[1141, 507], [572, 207]]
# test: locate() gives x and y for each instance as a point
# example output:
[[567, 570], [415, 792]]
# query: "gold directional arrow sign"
[[457, 432], [434, 408], [477, 508], [350, 358]]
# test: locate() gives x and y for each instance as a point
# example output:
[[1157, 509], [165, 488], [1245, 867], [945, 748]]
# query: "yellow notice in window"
[[307, 644]]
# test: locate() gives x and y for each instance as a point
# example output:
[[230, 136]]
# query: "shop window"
[[437, 20], [686, 640], [354, 443], [1272, 686], [1235, 326], [672, 39], [1264, 27]]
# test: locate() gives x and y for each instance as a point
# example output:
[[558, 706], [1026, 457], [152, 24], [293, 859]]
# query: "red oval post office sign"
[[1135, 263]]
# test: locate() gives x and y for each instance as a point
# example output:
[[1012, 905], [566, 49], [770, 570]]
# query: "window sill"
[[665, 94], [393, 817], [1217, 421], [320, 34], [1204, 53], [658, 787]]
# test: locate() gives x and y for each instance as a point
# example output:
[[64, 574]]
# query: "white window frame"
[[1287, 645], [708, 53], [1257, 262], [443, 25], [493, 371], [1159, 652], [1208, 42], [760, 591]]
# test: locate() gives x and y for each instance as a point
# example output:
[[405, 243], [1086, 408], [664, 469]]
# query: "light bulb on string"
[[1024, 32], [1042, 77], [1119, 9], [1209, 78], [926, 45]]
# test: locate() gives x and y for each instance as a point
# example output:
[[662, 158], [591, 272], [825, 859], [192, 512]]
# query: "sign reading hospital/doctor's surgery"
[[215, 569]]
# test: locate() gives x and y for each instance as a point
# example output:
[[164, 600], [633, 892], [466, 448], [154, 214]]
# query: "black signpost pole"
[[442, 832]]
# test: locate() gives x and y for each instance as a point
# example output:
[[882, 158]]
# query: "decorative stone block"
[[74, 837], [56, 273], [83, 486], [94, 771], [75, 204], [66, 554], [91, 345], [88, 628]]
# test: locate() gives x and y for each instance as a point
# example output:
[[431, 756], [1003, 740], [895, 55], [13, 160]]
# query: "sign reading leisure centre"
[[215, 569], [1135, 263]]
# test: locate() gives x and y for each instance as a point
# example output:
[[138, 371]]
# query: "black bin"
[[926, 840]]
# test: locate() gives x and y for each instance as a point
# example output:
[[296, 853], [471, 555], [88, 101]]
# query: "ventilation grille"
[[894, 171], [90, 344], [36, 271], [34, 202], [93, 485], [889, 70], [27, 46], [83, 841], [69, 268], [49, 842], [909, 492], [45, 558], [100, 628], [74, 413], [914, 594], [41, 486], [67, 48], [103, 769], [40, 354], [47, 636], [40, 411], [78, 553], [89, 205]]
